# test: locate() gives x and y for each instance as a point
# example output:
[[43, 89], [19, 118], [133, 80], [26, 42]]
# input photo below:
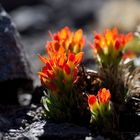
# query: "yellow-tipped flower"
[[99, 106], [64, 55], [93, 103], [66, 39], [60, 70], [108, 46]]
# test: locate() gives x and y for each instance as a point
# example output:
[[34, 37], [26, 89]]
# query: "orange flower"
[[60, 69], [101, 109], [67, 40], [64, 56], [110, 44], [93, 102], [104, 95]]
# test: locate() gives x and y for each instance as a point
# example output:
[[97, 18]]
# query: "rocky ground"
[[20, 110], [27, 123]]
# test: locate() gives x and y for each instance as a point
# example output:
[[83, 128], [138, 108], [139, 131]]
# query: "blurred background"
[[34, 18]]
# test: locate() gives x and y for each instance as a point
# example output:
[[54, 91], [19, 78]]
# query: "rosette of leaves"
[[109, 52], [63, 100]]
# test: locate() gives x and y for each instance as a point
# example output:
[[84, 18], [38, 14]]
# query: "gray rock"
[[32, 126], [32, 132], [65, 131], [137, 138], [50, 131], [4, 123], [24, 98], [15, 70], [27, 123]]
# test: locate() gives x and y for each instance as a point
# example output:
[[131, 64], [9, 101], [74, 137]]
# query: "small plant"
[[102, 111], [63, 100], [109, 52]]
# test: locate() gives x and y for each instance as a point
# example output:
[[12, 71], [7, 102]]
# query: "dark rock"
[[129, 122], [28, 123], [10, 5], [4, 124], [15, 70], [37, 94], [64, 131], [42, 130]]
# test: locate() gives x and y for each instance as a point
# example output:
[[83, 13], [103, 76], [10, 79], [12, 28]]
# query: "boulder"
[[15, 72]]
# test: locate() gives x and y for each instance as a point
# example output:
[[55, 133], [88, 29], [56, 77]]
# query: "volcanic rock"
[[15, 70]]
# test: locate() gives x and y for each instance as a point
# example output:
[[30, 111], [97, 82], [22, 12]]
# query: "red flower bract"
[[91, 100], [93, 103]]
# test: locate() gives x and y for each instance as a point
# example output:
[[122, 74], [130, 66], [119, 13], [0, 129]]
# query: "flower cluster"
[[67, 40], [64, 55], [100, 105], [60, 71], [108, 46]]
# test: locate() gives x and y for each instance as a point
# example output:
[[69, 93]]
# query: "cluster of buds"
[[100, 107], [109, 46]]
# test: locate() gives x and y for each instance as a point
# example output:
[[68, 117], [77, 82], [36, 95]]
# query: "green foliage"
[[134, 45]]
